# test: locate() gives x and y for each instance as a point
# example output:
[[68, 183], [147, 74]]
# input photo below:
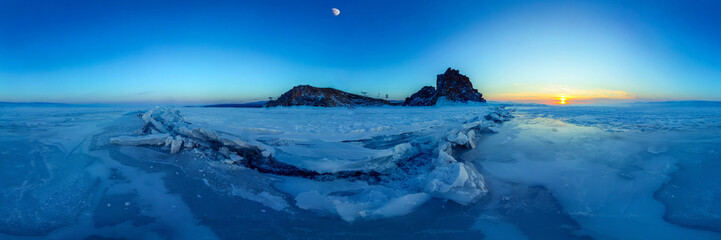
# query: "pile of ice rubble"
[[393, 182]]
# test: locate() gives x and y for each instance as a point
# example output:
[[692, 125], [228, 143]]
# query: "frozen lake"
[[639, 171]]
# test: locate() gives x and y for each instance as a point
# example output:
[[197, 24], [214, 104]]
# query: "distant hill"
[[33, 104], [683, 103], [306, 95], [258, 104], [510, 103]]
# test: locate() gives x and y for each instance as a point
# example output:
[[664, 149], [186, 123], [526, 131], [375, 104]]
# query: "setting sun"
[[562, 100]]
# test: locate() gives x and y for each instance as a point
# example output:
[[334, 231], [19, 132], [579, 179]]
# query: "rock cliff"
[[451, 86], [306, 95]]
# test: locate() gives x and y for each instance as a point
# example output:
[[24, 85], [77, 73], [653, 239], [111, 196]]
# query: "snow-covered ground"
[[618, 172]]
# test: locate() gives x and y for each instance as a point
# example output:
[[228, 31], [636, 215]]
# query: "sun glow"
[[560, 95]]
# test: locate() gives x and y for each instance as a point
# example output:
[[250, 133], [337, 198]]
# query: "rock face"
[[457, 87], [425, 97], [451, 85], [306, 95]]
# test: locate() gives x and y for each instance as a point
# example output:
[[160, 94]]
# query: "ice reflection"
[[605, 181]]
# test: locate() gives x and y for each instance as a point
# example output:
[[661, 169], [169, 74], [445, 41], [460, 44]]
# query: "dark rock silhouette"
[[425, 97], [451, 86], [306, 95], [457, 87]]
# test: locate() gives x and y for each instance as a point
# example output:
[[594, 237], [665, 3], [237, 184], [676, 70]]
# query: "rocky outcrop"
[[425, 97], [306, 95], [451, 86], [457, 87]]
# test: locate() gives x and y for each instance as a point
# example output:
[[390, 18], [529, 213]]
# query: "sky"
[[186, 52]]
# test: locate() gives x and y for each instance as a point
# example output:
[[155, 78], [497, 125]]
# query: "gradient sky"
[[127, 51]]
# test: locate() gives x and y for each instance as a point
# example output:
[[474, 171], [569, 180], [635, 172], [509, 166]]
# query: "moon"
[[335, 11]]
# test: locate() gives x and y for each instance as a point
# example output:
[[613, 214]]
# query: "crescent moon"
[[335, 11]]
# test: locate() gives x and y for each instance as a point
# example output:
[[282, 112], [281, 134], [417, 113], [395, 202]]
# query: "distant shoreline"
[[259, 104]]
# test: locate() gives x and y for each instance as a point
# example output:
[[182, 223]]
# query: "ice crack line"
[[429, 166]]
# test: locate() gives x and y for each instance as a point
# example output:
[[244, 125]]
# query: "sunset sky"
[[236, 51]]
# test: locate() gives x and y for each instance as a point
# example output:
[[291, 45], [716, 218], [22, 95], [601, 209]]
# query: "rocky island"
[[306, 95], [450, 86]]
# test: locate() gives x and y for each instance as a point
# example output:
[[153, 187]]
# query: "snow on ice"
[[397, 178], [634, 171]]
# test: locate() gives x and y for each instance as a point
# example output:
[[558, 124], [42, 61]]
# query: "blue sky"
[[235, 51]]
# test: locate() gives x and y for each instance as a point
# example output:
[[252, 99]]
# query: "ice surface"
[[452, 172], [339, 154], [605, 168], [635, 117], [43, 184]]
